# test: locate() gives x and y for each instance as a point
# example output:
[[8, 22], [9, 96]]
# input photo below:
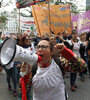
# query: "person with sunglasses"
[[26, 43]]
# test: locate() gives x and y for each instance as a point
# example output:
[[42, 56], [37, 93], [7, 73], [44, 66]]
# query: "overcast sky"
[[80, 4]]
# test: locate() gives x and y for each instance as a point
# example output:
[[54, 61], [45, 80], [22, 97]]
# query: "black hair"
[[58, 33], [52, 32], [88, 36], [74, 31], [64, 32], [88, 46]]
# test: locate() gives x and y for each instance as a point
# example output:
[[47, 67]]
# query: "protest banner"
[[26, 23], [82, 21], [56, 18]]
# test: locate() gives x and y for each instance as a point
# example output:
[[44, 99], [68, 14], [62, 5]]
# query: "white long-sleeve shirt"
[[48, 83]]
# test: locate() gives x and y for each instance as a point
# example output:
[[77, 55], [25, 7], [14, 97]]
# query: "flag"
[[27, 3]]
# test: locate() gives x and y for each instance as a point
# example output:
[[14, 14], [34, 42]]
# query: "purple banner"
[[82, 21]]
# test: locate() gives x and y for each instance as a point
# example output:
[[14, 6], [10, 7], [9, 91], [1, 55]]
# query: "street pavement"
[[4, 93], [81, 93], [83, 90]]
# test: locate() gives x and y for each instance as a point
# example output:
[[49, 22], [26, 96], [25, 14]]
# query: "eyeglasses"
[[43, 47]]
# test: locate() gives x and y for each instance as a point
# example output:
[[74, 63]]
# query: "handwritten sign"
[[82, 21], [52, 17]]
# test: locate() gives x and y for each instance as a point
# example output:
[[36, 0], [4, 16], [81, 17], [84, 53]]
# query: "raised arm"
[[78, 62]]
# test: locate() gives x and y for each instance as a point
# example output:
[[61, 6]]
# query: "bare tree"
[[3, 4]]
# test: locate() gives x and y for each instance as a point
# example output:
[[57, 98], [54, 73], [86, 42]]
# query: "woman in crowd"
[[73, 44], [48, 81], [11, 73], [25, 43], [83, 52]]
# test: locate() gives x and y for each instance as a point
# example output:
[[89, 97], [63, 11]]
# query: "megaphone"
[[11, 52]]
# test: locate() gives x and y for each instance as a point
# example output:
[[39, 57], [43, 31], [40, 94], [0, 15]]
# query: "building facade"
[[12, 24]]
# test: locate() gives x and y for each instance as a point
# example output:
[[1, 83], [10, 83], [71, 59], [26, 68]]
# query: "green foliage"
[[3, 19]]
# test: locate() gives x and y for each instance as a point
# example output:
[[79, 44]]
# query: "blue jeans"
[[17, 69], [11, 73]]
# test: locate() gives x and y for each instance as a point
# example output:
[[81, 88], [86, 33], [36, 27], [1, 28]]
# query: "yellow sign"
[[56, 18]]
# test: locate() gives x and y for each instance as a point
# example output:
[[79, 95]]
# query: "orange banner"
[[56, 18]]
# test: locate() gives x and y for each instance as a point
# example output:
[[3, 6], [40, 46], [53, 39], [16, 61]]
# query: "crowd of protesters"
[[57, 55]]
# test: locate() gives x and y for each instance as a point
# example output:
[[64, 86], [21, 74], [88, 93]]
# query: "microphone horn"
[[11, 52]]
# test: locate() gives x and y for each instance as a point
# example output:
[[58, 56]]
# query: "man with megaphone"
[[48, 83]]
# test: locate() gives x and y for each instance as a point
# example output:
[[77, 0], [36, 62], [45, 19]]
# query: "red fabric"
[[24, 80], [39, 58], [44, 65], [31, 49], [28, 30], [67, 53], [24, 96]]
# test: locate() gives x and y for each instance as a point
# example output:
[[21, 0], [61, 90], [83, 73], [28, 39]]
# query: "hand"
[[85, 43], [61, 38], [59, 47], [18, 66], [23, 67]]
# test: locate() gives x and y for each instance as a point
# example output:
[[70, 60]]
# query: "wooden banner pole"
[[36, 20], [49, 18], [19, 23]]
